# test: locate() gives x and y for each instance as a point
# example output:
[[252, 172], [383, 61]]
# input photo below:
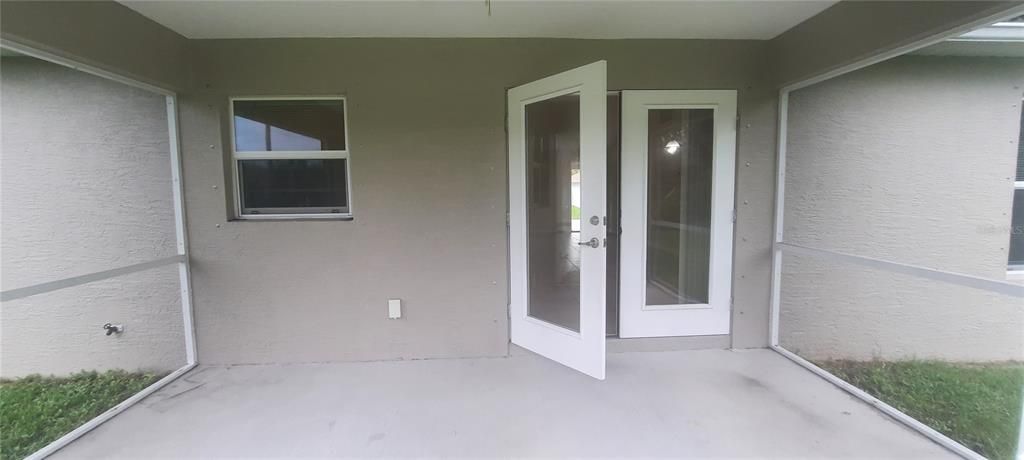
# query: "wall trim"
[[959, 279], [907, 48], [89, 69], [50, 286]]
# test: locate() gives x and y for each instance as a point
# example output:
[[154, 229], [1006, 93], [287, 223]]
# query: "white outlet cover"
[[394, 308]]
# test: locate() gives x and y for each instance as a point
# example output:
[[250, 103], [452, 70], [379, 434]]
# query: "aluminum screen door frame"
[[182, 258], [583, 350], [636, 319]]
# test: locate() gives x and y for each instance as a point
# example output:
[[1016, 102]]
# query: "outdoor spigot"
[[113, 328]]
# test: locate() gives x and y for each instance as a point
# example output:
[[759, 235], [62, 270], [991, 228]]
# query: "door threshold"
[[698, 342]]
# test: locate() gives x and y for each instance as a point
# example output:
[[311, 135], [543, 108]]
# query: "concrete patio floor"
[[708, 403]]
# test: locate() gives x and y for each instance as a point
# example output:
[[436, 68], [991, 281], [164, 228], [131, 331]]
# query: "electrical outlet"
[[394, 308]]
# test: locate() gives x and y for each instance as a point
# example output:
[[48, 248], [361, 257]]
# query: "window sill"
[[293, 218]]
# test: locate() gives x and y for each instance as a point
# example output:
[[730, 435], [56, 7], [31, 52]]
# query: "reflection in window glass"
[[680, 144], [289, 125], [282, 139], [291, 157], [249, 135], [282, 186], [553, 177]]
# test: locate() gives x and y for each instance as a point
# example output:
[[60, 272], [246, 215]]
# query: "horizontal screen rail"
[[50, 286], [959, 279]]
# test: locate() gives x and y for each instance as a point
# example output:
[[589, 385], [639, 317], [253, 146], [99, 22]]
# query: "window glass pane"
[[680, 145], [289, 125], [249, 135], [553, 179], [1017, 229], [283, 186], [1020, 150]]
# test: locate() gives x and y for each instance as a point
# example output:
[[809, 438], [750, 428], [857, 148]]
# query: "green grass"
[[977, 405], [575, 211], [36, 410]]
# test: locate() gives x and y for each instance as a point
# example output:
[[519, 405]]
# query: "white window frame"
[[1015, 272], [237, 156]]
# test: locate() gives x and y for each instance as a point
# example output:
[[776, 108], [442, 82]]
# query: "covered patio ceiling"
[[759, 20], [707, 403]]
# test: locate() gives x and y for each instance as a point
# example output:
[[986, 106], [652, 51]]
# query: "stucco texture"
[[427, 128], [910, 161], [86, 187], [429, 193]]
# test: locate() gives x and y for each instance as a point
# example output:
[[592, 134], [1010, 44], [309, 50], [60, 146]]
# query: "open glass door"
[[557, 181], [678, 161]]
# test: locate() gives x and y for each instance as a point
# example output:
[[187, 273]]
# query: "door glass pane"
[[553, 179], [680, 144]]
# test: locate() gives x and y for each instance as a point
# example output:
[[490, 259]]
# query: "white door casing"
[[637, 319], [583, 350]]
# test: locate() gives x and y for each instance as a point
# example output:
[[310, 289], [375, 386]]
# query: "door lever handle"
[[594, 243]]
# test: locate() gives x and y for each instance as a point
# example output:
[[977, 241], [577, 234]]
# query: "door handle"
[[594, 243]]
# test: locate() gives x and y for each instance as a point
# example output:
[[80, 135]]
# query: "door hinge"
[[734, 215]]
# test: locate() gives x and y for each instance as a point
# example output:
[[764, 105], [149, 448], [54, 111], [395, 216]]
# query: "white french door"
[[557, 223], [678, 161]]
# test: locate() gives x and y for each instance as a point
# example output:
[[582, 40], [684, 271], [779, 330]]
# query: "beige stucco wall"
[[911, 161], [428, 145], [85, 187], [102, 34], [428, 166]]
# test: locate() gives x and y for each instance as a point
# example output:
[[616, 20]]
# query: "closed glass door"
[[678, 160]]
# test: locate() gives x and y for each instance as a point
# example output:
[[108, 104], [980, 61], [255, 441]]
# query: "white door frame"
[[583, 350], [636, 319]]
